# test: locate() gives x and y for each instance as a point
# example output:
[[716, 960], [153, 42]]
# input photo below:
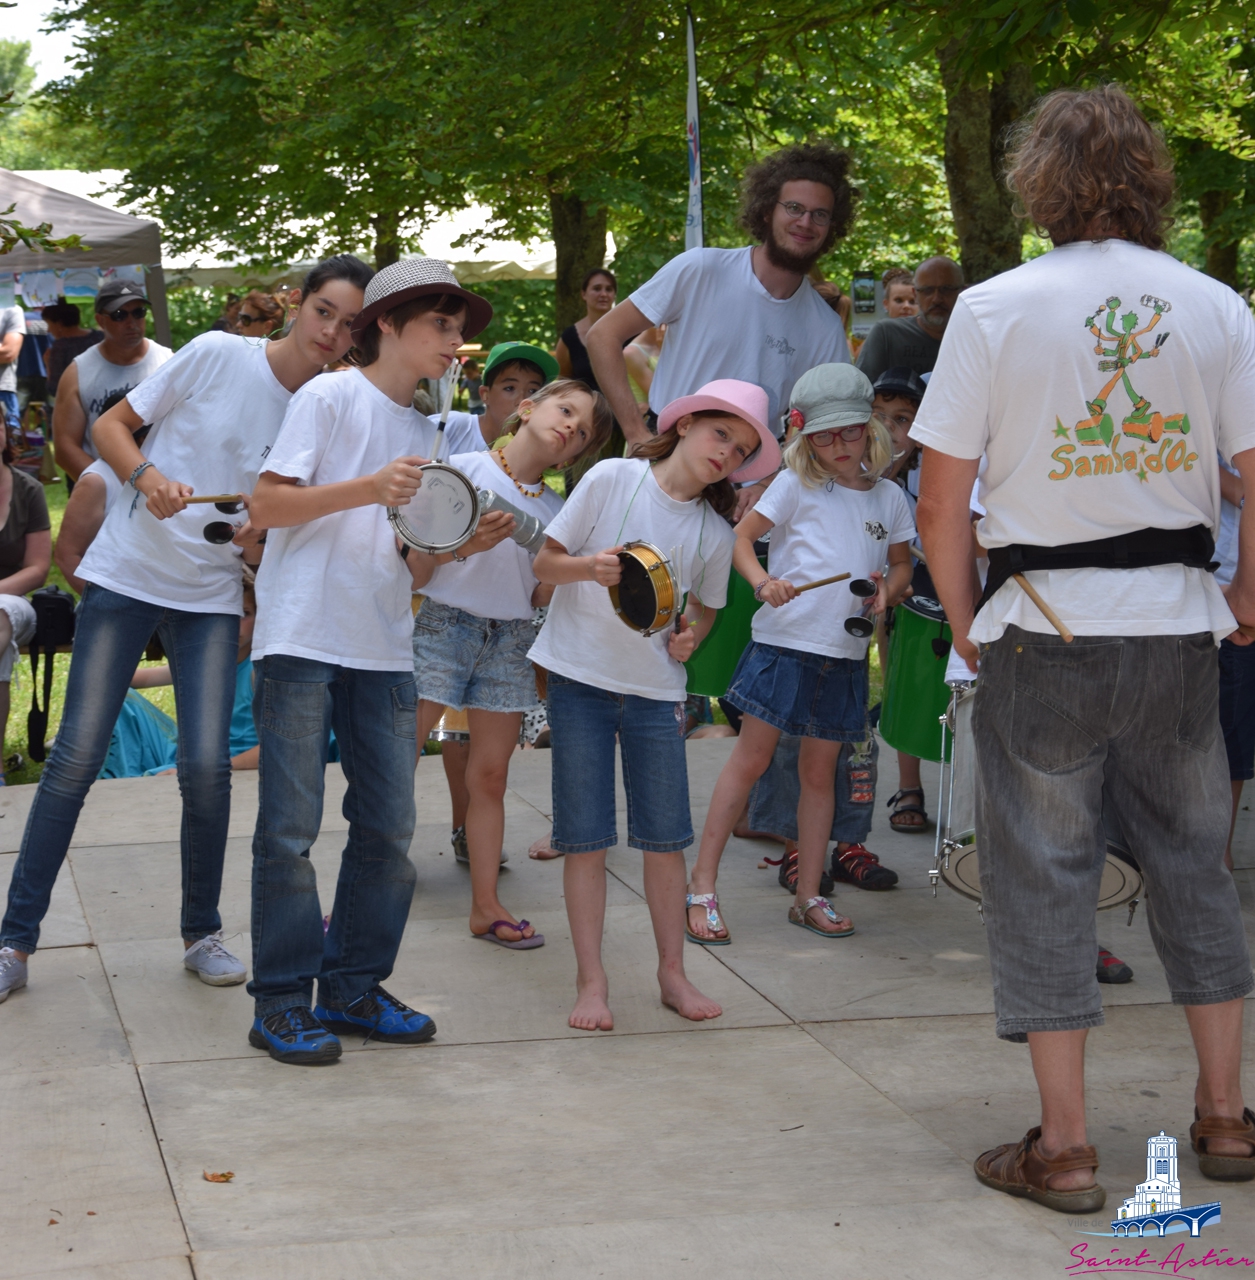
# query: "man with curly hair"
[[746, 313], [1098, 381]]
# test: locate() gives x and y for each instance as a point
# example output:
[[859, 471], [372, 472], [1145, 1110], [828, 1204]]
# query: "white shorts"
[[22, 617]]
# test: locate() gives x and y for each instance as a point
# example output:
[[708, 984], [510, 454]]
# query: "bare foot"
[[480, 924], [1071, 1180], [680, 994], [697, 922], [822, 920], [540, 850], [591, 1012]]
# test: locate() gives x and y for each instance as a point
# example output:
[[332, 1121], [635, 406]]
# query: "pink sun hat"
[[741, 400]]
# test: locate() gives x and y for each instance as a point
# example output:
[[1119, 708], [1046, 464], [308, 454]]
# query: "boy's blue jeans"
[[295, 702], [111, 635]]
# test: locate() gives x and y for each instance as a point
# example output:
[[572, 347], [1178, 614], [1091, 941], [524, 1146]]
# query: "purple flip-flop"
[[522, 944]]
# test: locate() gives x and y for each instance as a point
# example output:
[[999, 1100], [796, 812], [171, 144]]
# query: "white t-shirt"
[[12, 320], [497, 583], [113, 486], [722, 323], [336, 590], [461, 435], [216, 409], [1227, 538], [1026, 357], [583, 638], [816, 533]]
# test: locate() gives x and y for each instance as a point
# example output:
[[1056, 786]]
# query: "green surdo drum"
[[916, 694]]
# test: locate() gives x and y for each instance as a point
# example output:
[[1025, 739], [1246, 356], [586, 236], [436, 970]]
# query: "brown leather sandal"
[[1020, 1170], [1224, 1168]]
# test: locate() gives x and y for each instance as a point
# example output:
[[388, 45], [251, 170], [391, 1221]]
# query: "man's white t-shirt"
[[816, 533], [216, 409], [1227, 538], [1099, 380], [619, 501], [335, 589], [722, 323], [108, 477], [496, 583], [12, 320], [462, 434]]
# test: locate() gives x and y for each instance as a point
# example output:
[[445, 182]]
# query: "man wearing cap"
[[747, 313], [913, 341], [512, 372], [120, 362]]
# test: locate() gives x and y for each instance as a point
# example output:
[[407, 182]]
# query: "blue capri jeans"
[[112, 633], [584, 722]]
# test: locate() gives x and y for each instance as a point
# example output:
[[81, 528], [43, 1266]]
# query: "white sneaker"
[[211, 962], [12, 972]]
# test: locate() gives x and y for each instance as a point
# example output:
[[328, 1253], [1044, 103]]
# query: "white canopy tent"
[[111, 238]]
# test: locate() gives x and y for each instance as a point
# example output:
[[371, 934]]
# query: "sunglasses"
[[122, 313], [824, 438], [245, 319]]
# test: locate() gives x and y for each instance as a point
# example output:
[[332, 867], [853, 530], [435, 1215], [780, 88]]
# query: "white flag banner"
[[693, 223]]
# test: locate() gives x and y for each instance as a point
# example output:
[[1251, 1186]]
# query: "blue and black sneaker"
[[294, 1036], [379, 1016]]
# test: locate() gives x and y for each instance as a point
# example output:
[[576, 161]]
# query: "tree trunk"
[[579, 238], [977, 117], [387, 226], [1222, 254]]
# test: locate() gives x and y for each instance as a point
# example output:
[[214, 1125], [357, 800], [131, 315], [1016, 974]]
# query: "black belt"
[[1193, 547]]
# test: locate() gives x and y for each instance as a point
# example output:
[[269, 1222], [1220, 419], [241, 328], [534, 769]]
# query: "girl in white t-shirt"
[[215, 410], [608, 681], [803, 674], [474, 629]]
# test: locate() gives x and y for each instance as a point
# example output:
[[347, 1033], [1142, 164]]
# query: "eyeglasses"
[[122, 313], [824, 438], [933, 290], [245, 319], [820, 217]]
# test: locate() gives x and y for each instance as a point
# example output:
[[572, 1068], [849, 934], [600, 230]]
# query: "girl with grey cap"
[[804, 673], [332, 648]]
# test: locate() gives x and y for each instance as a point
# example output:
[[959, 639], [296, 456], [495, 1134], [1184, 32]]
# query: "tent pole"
[[155, 286]]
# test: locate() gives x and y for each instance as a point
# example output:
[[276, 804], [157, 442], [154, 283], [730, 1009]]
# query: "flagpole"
[[693, 238]]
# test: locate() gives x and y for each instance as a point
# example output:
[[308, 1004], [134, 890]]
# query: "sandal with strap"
[[1019, 1169], [895, 801], [713, 920], [786, 877], [797, 915], [859, 866], [1224, 1168]]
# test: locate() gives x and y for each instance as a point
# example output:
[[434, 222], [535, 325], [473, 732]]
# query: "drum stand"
[[945, 844]]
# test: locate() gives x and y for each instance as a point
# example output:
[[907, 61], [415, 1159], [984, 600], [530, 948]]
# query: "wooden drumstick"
[[823, 582], [918, 554], [217, 497], [1047, 612]]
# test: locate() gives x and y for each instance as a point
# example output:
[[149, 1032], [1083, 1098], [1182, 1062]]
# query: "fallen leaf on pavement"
[[218, 1177]]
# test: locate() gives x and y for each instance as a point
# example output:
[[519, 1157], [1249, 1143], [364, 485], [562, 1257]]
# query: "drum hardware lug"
[[1132, 908], [980, 911]]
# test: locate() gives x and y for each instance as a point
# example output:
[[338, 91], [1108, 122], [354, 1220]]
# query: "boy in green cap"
[[513, 371]]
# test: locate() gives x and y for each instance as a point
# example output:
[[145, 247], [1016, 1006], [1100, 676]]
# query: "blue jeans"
[[109, 642], [584, 722], [295, 702], [8, 411], [773, 801]]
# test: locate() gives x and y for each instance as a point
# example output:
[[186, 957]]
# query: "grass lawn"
[[20, 690]]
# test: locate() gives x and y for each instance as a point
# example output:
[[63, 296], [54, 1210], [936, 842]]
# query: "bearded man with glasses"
[[912, 342], [102, 373]]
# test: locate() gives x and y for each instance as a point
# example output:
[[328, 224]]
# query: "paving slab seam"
[[139, 1080]]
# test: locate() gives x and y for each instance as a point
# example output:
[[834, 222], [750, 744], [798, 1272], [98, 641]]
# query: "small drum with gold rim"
[[647, 596], [453, 726]]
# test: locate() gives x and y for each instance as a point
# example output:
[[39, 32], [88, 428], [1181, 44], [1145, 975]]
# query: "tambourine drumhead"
[[1121, 882], [647, 595], [442, 515], [925, 607]]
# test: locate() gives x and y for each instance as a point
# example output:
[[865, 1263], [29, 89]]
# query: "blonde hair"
[[877, 456], [601, 425]]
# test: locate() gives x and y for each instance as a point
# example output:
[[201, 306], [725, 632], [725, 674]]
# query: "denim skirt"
[[806, 695]]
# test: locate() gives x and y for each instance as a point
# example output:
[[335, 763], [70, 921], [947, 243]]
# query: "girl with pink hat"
[[608, 681]]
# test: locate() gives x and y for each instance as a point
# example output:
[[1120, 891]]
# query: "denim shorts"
[[1237, 707], [774, 799], [584, 722], [463, 660], [1068, 737], [805, 695]]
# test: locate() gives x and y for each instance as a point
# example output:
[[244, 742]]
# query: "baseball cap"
[[830, 396], [740, 400], [901, 381], [416, 278], [116, 293], [504, 352]]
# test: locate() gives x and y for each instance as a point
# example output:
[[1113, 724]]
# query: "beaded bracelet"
[[771, 577], [139, 471]]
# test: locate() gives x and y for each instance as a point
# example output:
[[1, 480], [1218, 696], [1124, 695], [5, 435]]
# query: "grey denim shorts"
[[1060, 729], [464, 660]]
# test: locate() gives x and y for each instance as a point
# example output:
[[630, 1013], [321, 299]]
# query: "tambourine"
[[647, 596], [445, 512]]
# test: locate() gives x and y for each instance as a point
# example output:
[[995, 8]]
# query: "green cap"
[[504, 352]]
